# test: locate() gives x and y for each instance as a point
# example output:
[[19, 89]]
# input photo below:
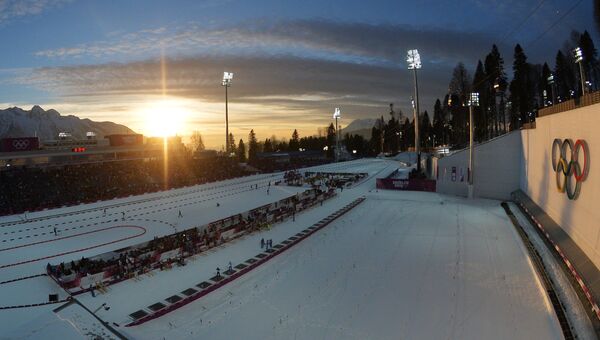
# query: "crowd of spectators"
[[31, 189], [147, 256]]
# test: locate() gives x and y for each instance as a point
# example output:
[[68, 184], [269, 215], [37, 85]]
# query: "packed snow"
[[399, 265]]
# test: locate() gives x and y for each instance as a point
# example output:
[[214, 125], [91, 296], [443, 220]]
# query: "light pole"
[[337, 115], [227, 78], [414, 63], [472, 102], [552, 91], [579, 60]]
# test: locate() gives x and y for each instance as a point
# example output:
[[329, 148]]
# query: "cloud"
[[283, 80], [362, 42], [11, 9]]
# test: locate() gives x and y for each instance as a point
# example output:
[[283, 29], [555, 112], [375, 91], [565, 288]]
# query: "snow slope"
[[31, 237], [400, 265]]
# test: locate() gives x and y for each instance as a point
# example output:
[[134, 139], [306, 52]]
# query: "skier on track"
[[262, 243], [104, 214], [122, 212], [180, 215], [230, 266], [54, 231]]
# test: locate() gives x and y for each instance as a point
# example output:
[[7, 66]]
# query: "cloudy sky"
[[156, 66]]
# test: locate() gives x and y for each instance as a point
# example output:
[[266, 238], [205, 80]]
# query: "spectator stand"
[[101, 271]]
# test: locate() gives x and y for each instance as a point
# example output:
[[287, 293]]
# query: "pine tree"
[[252, 146], [460, 87], [590, 58], [482, 115], [197, 142], [231, 144], [564, 77], [295, 141], [330, 140], [460, 84], [241, 151], [268, 145], [521, 91], [438, 123], [425, 130], [546, 87]]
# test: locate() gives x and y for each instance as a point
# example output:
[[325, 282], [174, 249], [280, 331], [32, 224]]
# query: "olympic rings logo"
[[567, 166], [20, 144]]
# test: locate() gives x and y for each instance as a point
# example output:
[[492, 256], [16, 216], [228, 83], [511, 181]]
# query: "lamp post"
[[414, 63], [337, 115], [227, 78], [578, 54], [552, 91], [472, 102]]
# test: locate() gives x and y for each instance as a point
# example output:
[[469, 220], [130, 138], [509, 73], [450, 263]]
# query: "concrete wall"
[[497, 166], [580, 218]]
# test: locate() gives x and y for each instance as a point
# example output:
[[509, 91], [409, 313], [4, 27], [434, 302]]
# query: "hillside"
[[16, 122]]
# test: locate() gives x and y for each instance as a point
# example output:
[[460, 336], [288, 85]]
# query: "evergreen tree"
[[460, 87], [483, 115], [241, 151], [590, 58], [546, 86], [408, 134], [268, 145], [231, 144], [425, 131], [564, 77], [460, 84], [331, 141], [521, 93], [438, 123], [197, 142], [295, 141], [252, 146]]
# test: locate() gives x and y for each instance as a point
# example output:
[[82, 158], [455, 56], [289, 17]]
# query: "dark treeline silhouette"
[[506, 106]]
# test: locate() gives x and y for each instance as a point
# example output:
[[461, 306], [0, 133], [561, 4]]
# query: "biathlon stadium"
[[352, 249]]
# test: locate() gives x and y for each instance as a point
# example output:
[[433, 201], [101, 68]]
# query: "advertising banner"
[[19, 144]]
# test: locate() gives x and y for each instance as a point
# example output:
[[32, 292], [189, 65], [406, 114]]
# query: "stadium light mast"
[[578, 54], [337, 115], [473, 101], [227, 78], [551, 83], [414, 63]]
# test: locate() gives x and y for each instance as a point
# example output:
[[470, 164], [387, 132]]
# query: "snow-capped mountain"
[[361, 127], [360, 124], [16, 122]]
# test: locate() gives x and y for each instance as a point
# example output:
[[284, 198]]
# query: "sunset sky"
[[156, 66]]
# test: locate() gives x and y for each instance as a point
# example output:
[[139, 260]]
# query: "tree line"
[[503, 106]]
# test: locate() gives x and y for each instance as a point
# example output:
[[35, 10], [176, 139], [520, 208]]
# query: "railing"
[[585, 100]]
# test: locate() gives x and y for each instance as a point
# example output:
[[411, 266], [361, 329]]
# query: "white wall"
[[580, 218], [497, 166]]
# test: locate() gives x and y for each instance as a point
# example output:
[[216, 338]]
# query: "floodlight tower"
[[578, 54], [473, 101], [414, 63], [227, 78], [551, 83], [337, 115]]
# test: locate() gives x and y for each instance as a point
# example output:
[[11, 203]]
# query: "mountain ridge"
[[47, 124]]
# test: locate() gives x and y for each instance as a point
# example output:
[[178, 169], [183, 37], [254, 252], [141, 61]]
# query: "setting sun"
[[164, 118]]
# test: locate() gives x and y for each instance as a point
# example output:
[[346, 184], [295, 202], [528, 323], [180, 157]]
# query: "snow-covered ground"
[[28, 243], [399, 265]]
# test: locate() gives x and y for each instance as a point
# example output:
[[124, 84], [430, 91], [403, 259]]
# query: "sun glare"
[[164, 118]]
